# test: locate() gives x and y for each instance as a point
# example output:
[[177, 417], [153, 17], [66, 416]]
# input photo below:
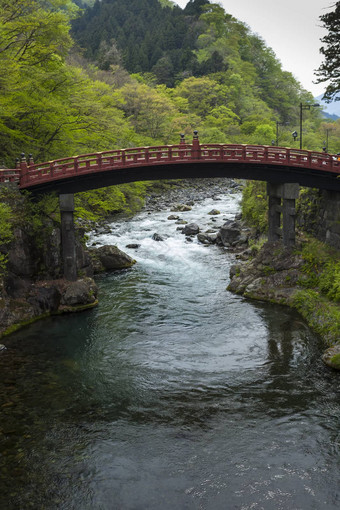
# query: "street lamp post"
[[326, 141], [305, 107], [277, 130], [277, 133]]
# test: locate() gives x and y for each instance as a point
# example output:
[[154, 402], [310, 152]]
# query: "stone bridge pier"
[[281, 206], [68, 238], [281, 222]]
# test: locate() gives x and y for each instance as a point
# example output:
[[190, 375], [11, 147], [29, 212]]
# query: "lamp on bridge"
[[328, 129], [305, 107]]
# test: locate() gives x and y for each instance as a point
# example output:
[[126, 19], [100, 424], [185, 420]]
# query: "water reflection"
[[169, 396]]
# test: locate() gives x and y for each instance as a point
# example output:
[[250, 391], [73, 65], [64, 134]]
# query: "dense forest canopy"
[[124, 73]]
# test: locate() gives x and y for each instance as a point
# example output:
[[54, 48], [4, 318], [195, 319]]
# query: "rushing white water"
[[175, 251]]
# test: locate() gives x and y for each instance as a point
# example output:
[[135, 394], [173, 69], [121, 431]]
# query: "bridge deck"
[[277, 164]]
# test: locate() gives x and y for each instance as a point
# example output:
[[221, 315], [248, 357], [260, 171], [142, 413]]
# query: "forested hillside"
[[132, 72]]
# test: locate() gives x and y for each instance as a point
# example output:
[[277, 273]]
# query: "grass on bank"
[[318, 301]]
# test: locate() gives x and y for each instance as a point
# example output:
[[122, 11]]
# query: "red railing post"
[[196, 149], [265, 154]]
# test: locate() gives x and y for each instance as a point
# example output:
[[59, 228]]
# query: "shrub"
[[254, 205]]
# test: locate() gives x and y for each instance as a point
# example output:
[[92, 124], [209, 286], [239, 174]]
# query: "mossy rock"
[[332, 357], [110, 257]]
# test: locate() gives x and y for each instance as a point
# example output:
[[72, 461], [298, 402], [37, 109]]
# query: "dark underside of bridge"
[[271, 173]]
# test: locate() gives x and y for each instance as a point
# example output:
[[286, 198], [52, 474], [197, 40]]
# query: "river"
[[172, 394]]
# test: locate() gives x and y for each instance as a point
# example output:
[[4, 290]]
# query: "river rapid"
[[173, 393]]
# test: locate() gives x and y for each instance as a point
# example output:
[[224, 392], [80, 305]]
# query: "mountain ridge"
[[331, 110]]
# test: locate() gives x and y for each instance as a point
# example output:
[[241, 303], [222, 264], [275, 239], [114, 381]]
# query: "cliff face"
[[32, 284], [319, 215]]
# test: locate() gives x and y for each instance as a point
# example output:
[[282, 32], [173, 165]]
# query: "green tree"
[[329, 69], [203, 94], [149, 110]]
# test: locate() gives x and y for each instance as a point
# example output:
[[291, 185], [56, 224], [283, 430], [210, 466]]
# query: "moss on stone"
[[19, 325], [62, 309], [336, 361], [77, 308]]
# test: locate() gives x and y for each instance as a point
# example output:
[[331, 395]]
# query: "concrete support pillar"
[[290, 194], [281, 201], [68, 239], [274, 212]]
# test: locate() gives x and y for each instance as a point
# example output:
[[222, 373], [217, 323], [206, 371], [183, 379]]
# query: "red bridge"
[[90, 171], [284, 169]]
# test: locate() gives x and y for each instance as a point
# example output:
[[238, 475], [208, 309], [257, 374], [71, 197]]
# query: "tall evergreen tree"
[[330, 68]]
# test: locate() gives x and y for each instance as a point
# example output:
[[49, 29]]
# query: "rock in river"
[[191, 229], [230, 232], [332, 357], [157, 237], [110, 257], [80, 292]]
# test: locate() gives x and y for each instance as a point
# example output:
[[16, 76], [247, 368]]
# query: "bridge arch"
[[284, 169], [90, 171]]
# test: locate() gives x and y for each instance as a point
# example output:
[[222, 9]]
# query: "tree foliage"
[[48, 107], [330, 68], [194, 68]]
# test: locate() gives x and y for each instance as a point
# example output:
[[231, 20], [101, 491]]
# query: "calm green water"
[[172, 394]]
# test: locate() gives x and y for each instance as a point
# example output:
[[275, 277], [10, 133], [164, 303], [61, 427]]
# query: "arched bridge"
[[284, 169], [90, 171]]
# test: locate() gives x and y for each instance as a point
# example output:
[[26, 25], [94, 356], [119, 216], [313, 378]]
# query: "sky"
[[292, 29]]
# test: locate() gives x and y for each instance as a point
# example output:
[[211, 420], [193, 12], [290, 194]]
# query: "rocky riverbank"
[[272, 274], [281, 276], [31, 267], [24, 300], [33, 286]]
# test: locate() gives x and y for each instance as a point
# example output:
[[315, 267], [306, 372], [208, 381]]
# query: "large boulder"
[[230, 233], [191, 229], [79, 293], [206, 238], [110, 257]]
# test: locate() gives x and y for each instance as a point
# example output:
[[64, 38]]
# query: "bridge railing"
[[270, 155], [9, 175], [31, 174], [101, 161]]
